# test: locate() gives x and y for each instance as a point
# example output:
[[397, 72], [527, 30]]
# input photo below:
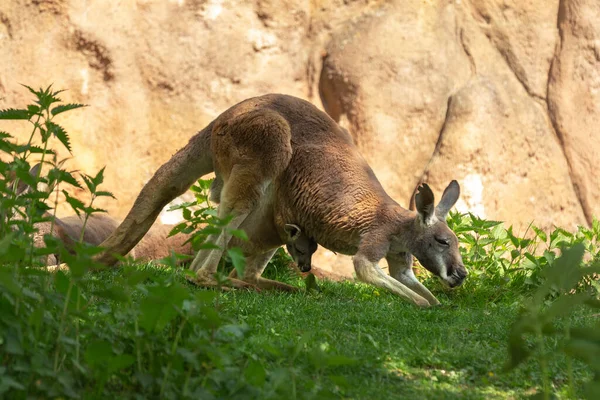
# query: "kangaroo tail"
[[171, 180]]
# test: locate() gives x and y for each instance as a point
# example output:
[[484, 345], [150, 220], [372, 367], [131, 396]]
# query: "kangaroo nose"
[[462, 272]]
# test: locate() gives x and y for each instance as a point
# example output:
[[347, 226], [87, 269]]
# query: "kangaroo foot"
[[269, 284], [209, 281]]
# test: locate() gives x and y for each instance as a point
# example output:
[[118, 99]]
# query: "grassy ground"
[[144, 332], [456, 350], [354, 341]]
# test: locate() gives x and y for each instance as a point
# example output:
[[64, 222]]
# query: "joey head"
[[299, 246]]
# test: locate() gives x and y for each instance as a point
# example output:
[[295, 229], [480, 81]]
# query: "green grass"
[[453, 351], [456, 350]]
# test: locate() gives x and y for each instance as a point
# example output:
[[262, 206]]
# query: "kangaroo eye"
[[442, 241]]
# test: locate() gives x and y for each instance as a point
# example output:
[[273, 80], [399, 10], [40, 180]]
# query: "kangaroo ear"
[[293, 232], [425, 203], [449, 198]]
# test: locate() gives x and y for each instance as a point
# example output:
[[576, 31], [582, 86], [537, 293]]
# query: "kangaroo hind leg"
[[241, 194], [250, 151]]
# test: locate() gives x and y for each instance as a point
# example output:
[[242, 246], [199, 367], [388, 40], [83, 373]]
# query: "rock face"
[[574, 97], [502, 95]]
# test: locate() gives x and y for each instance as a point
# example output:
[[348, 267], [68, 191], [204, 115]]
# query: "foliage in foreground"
[[145, 333]]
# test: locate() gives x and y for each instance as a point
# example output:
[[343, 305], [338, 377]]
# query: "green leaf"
[[563, 306], [9, 283], [177, 228], [586, 333], [115, 293], [14, 114], [588, 351], [524, 243], [59, 175], [6, 383], [33, 149], [564, 273], [35, 92], [238, 260], [5, 243], [532, 258], [239, 233], [517, 346], [98, 352], [514, 240], [88, 182], [60, 133], [5, 135], [255, 373], [205, 183], [204, 297], [181, 205], [120, 362], [498, 232], [13, 342], [66, 107], [211, 212], [99, 178], [592, 389], [75, 204], [33, 109], [159, 307], [36, 317], [540, 233], [210, 230], [103, 193], [44, 96], [208, 246], [61, 282], [137, 277]]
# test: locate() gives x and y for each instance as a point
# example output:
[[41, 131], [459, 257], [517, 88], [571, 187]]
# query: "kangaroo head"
[[435, 245], [300, 246]]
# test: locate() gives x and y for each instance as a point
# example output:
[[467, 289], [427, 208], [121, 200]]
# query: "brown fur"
[[155, 245], [279, 158]]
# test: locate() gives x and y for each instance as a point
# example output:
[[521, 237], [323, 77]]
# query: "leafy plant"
[[201, 220], [501, 262], [542, 317]]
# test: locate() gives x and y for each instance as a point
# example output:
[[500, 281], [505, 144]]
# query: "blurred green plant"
[[543, 318]]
